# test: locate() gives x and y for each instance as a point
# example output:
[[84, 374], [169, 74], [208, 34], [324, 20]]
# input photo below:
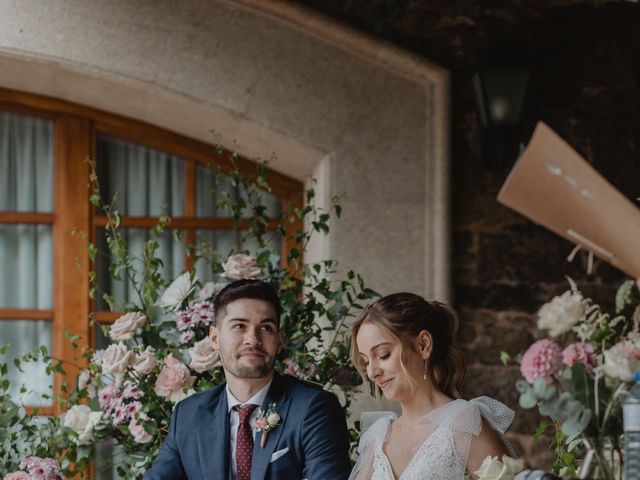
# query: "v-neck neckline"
[[419, 449]]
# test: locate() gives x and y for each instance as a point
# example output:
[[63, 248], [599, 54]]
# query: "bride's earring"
[[424, 377]]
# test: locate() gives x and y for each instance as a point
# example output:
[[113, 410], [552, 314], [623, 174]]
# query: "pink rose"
[[262, 422], [17, 476], [144, 362], [542, 359], [203, 356], [240, 266], [173, 380], [581, 352], [125, 327]]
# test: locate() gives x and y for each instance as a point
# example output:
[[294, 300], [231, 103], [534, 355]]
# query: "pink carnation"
[[542, 359], [581, 352]]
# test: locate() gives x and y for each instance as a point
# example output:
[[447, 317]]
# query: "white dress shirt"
[[234, 420]]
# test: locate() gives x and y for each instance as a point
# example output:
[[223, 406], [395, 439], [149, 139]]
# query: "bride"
[[406, 347]]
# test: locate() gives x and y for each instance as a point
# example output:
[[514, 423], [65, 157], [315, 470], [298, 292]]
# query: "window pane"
[[209, 191], [26, 163], [146, 182], [26, 273], [171, 251], [222, 242], [23, 336]]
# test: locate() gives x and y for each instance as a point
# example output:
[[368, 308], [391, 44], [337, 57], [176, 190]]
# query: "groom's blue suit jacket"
[[312, 428]]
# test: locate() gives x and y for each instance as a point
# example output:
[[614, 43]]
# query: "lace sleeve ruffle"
[[465, 420], [378, 431]]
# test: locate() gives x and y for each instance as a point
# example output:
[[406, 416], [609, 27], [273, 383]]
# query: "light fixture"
[[500, 97]]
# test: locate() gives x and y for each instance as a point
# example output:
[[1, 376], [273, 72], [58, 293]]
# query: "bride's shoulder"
[[375, 425], [469, 415]]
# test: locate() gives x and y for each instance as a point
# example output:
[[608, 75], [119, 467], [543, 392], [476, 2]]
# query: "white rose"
[[140, 435], [85, 382], [622, 361], [494, 469], [145, 361], [203, 356], [209, 289], [561, 313], [240, 266], [177, 292], [116, 359], [273, 419], [125, 327], [81, 419]]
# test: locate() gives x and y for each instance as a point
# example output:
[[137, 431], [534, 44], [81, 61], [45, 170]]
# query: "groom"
[[213, 434]]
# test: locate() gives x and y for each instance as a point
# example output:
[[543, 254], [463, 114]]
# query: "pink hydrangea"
[[580, 352], [543, 359]]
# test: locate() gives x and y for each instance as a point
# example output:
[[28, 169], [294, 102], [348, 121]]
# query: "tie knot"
[[244, 411]]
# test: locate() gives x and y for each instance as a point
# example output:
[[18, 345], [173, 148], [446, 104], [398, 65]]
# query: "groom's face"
[[247, 338]]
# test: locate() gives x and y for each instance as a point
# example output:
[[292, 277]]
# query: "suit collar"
[[277, 395], [213, 435]]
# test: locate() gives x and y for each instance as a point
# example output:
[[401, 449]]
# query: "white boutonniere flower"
[[267, 421]]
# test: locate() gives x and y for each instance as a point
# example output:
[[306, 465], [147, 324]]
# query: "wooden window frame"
[[76, 129]]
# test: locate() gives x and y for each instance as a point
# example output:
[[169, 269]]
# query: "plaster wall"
[[261, 77]]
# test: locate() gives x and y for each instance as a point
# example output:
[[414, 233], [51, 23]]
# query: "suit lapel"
[[262, 456], [213, 436]]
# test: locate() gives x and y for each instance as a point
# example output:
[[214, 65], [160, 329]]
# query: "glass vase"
[[601, 462]]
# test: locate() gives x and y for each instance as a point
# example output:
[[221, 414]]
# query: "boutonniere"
[[267, 421]]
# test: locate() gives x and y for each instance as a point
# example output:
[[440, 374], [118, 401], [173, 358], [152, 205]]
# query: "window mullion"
[[71, 196]]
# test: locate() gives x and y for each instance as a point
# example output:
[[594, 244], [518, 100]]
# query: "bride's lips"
[[385, 383]]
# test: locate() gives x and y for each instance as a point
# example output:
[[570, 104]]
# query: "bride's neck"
[[422, 401]]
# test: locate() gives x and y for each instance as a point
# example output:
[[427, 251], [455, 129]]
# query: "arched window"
[[46, 216]]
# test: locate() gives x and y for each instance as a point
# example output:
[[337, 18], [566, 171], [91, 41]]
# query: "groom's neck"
[[245, 388]]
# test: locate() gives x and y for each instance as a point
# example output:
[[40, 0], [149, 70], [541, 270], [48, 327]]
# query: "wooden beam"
[[71, 300]]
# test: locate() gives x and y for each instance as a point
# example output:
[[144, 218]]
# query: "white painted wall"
[[371, 121]]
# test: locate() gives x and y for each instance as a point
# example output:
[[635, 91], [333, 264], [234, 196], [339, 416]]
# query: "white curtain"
[[26, 185], [144, 183]]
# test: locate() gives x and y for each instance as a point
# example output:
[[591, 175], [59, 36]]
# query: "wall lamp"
[[500, 97]]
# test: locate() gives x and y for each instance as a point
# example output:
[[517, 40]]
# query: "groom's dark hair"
[[251, 289]]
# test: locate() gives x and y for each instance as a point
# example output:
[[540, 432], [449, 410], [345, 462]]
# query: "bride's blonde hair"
[[404, 316]]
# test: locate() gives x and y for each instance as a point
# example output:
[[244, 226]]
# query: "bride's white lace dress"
[[443, 454]]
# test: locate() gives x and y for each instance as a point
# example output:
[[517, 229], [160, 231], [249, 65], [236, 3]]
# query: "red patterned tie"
[[244, 442]]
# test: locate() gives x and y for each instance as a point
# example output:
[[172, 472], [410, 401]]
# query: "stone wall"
[[584, 83]]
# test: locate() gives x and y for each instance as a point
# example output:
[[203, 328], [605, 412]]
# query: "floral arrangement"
[[160, 352], [267, 421], [577, 377], [494, 469]]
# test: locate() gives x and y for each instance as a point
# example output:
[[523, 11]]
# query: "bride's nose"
[[373, 371]]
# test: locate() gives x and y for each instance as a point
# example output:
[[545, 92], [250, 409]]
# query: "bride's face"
[[381, 354]]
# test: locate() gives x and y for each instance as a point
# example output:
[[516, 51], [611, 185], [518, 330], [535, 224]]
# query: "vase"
[[600, 462]]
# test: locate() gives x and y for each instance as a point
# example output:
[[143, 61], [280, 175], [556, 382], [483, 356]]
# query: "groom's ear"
[[213, 335], [425, 343]]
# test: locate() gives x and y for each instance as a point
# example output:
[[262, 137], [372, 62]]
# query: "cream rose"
[[208, 290], [145, 361], [203, 356], [561, 313], [140, 435], [116, 358], [494, 469], [125, 327], [173, 380], [622, 361], [81, 419], [240, 266]]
